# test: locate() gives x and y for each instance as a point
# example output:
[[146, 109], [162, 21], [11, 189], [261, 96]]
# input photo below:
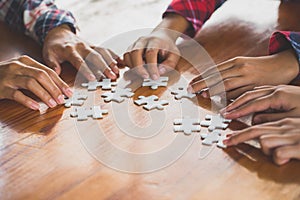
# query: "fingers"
[[110, 59], [271, 141], [53, 63], [245, 98], [98, 62], [269, 117], [136, 59], [251, 133], [45, 76], [283, 154], [257, 105], [151, 60], [169, 63], [78, 62], [19, 97]]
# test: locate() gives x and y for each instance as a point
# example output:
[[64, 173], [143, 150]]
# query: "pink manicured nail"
[[204, 95], [92, 77], [52, 103], [34, 106], [61, 99], [154, 77], [68, 92], [145, 76], [190, 89], [162, 70]]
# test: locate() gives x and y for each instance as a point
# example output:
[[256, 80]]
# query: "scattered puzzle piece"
[[117, 95], [76, 100], [83, 113], [154, 84], [151, 102], [187, 125], [105, 84], [213, 137], [182, 92], [215, 122]]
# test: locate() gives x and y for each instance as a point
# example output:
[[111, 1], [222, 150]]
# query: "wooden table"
[[44, 157]]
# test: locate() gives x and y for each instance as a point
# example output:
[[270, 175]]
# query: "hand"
[[145, 54], [279, 102], [242, 74], [26, 73], [63, 45], [280, 139]]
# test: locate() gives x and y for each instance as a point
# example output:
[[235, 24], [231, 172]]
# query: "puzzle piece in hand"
[[187, 125], [117, 95], [83, 113], [105, 84], [215, 122], [213, 137], [182, 92], [154, 84], [76, 100], [151, 102]]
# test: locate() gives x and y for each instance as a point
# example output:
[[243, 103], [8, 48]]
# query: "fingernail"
[[52, 103], [113, 75], [145, 76], [154, 77], [61, 99], [222, 111], [34, 106], [162, 70], [92, 77], [204, 95], [227, 142], [68, 92], [190, 89]]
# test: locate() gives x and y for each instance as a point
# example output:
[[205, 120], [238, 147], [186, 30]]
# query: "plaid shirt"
[[199, 11], [34, 17]]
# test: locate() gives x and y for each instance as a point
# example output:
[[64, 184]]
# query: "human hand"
[[279, 101], [242, 74], [281, 139], [153, 55], [63, 45], [26, 73]]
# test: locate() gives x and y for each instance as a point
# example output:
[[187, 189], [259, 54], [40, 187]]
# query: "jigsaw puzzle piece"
[[105, 84], [213, 137], [182, 92], [76, 100], [83, 113], [117, 95], [151, 102], [154, 84], [187, 125], [215, 122]]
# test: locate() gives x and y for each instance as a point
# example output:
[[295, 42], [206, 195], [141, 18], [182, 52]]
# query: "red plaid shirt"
[[197, 12]]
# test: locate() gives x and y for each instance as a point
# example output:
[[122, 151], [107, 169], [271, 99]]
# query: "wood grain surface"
[[52, 156]]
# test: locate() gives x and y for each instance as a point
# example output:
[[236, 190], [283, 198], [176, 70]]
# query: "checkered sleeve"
[[35, 17], [197, 12], [283, 40]]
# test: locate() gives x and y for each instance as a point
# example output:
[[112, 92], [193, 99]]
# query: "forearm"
[[173, 25]]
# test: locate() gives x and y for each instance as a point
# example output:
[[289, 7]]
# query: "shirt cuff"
[[50, 20], [283, 40]]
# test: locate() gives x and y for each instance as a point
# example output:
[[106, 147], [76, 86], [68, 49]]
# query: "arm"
[[55, 29], [182, 16]]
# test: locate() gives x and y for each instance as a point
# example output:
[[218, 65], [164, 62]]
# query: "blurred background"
[[99, 20]]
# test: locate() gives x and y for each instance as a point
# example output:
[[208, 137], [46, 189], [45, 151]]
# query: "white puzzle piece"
[[182, 92], [213, 137], [105, 84], [76, 100], [154, 84], [187, 125], [215, 122], [117, 95], [83, 113], [151, 102]]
